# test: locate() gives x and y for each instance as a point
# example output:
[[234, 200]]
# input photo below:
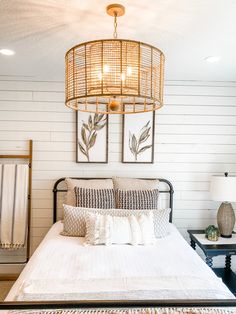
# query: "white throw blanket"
[[13, 205], [64, 268], [149, 288]]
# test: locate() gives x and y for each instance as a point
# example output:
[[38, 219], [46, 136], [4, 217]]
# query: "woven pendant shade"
[[104, 76]]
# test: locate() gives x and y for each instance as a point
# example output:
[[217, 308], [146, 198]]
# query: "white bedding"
[[64, 268]]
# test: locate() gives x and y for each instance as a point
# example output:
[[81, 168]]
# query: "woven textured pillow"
[[75, 225], [137, 199], [161, 222], [94, 198], [106, 229]]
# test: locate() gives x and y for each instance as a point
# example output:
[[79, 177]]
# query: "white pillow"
[[107, 229]]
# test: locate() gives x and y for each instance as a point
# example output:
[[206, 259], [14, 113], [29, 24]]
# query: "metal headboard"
[[57, 190]]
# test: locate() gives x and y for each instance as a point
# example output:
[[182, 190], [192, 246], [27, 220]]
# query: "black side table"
[[211, 249]]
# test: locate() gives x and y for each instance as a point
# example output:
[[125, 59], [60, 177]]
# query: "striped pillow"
[[94, 198], [137, 199]]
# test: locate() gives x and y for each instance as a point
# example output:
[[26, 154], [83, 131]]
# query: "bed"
[[64, 269]]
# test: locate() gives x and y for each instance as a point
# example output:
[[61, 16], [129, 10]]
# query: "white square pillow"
[[106, 229]]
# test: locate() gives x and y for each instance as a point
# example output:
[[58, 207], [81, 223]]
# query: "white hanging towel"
[[13, 206]]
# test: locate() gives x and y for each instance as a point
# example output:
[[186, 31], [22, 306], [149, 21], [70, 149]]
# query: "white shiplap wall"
[[195, 138]]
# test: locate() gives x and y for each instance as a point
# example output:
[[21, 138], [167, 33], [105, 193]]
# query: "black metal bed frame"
[[113, 304], [56, 190], [120, 304]]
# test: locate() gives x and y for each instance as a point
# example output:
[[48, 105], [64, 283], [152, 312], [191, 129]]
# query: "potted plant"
[[212, 233]]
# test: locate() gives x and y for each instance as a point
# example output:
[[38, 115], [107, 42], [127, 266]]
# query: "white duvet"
[[64, 268]]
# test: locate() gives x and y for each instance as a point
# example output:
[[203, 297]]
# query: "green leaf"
[[85, 126], [100, 116], [130, 142], [99, 126], [82, 149], [95, 118], [90, 122], [146, 125], [144, 148], [134, 143], [83, 136], [145, 135], [92, 139]]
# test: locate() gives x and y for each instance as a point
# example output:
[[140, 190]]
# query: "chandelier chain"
[[115, 26]]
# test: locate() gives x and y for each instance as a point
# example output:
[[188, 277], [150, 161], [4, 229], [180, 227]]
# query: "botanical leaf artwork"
[[137, 142], [89, 132]]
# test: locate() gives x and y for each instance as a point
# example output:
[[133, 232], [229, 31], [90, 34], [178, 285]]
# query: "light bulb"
[[129, 71], [7, 52], [106, 68], [122, 76], [100, 76]]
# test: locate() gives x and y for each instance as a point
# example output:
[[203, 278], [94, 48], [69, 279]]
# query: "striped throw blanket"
[[13, 206]]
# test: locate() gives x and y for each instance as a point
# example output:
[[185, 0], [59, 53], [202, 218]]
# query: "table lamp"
[[223, 188]]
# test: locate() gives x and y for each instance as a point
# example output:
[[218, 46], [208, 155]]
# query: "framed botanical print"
[[138, 137], [91, 137]]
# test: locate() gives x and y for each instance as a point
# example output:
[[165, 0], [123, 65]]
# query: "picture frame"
[[91, 137], [138, 133]]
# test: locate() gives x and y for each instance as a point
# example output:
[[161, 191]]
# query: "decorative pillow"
[[106, 229], [93, 198], [137, 199], [161, 222], [75, 225], [74, 220], [87, 184], [135, 184]]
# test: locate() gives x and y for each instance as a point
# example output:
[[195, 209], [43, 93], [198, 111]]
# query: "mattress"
[[65, 268]]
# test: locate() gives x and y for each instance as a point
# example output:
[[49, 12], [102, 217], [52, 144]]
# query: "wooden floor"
[[5, 287]]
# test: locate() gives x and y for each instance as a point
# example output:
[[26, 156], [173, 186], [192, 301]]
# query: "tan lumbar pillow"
[[86, 184], [135, 184]]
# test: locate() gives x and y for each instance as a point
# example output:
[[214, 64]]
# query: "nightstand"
[[224, 246]]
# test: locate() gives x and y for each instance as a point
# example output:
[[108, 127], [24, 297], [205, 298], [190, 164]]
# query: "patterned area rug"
[[5, 287]]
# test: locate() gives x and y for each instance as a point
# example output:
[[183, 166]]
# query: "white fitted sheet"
[[63, 268]]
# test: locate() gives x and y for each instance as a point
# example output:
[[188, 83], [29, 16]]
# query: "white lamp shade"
[[223, 188]]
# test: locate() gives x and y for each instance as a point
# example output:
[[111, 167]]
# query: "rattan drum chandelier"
[[114, 76]]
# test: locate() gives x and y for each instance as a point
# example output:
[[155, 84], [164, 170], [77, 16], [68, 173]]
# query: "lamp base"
[[226, 219], [226, 236]]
